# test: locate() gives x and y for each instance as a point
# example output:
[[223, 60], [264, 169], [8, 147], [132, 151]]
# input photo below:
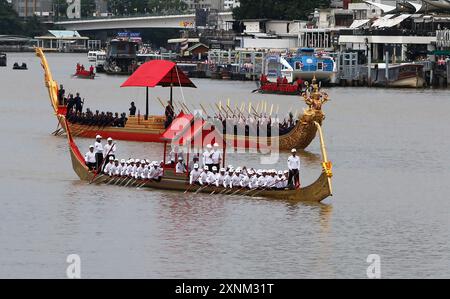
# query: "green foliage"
[[9, 20], [277, 9], [130, 7], [10, 23], [88, 8]]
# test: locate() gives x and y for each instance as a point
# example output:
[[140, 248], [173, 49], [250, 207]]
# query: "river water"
[[390, 150]]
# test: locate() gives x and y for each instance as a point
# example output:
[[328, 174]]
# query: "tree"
[[88, 7], [277, 9], [9, 20], [60, 8], [161, 6]]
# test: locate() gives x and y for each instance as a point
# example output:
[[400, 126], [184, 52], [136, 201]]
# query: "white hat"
[[238, 170], [111, 158], [214, 168], [98, 137], [260, 172], [294, 150], [180, 158], [286, 171], [230, 166], [123, 161], [116, 160], [280, 172], [209, 146], [91, 146], [138, 161], [223, 170], [110, 139], [231, 169], [216, 145], [131, 160], [206, 168], [196, 166], [147, 161]]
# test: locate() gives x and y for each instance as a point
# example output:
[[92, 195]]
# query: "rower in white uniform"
[[195, 175], [204, 176], [108, 166], [180, 167]]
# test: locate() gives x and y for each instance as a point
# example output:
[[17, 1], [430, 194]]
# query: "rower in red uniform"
[[91, 70]]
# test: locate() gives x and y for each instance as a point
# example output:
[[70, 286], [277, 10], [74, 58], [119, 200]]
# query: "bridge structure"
[[182, 21]]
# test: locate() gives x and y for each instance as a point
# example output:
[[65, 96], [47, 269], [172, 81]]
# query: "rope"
[[181, 87]]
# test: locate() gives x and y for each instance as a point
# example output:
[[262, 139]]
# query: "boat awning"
[[189, 130], [178, 127], [158, 73], [359, 23]]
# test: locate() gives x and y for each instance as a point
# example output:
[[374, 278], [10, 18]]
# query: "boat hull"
[[138, 130], [316, 192]]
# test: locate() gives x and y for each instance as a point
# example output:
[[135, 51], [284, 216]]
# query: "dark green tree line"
[[11, 23], [277, 9]]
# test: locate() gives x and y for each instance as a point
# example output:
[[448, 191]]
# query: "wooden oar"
[[201, 189], [265, 189], [189, 188], [95, 179]]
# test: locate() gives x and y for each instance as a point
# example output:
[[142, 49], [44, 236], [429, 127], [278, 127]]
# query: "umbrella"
[[158, 73]]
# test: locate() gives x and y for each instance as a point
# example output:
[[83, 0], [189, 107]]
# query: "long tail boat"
[[316, 192], [152, 129]]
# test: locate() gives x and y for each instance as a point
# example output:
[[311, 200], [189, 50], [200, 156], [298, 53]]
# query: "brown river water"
[[390, 150]]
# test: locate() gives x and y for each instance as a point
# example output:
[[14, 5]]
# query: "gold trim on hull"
[[316, 192]]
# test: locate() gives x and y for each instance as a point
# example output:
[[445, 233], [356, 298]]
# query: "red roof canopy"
[[158, 73]]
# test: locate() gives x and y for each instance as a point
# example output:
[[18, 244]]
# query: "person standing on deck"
[[294, 170], [132, 109], [78, 104], [98, 149], [109, 149], [207, 157], [89, 158], [170, 114], [70, 104], [61, 95]]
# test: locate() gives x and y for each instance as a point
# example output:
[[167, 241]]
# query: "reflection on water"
[[389, 153]]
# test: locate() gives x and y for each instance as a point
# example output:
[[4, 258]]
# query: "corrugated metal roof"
[[393, 21], [64, 33], [359, 23]]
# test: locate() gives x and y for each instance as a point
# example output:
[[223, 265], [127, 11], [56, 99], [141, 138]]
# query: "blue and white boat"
[[304, 65]]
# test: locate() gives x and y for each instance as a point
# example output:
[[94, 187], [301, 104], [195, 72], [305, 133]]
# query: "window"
[[320, 66]]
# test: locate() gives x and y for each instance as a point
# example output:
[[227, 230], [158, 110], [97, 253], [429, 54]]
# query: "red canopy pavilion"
[[158, 73]]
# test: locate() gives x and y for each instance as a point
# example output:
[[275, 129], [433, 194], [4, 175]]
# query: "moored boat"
[[405, 75], [83, 74], [305, 65], [3, 59], [316, 192], [152, 128], [23, 66]]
